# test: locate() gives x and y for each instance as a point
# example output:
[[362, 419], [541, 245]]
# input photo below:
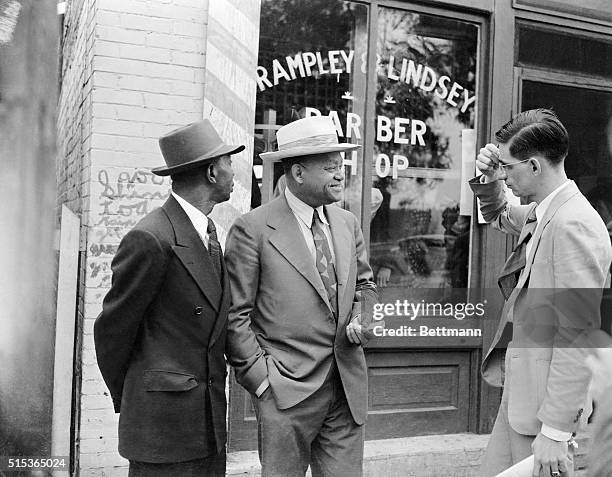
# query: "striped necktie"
[[214, 248], [508, 278], [324, 263]]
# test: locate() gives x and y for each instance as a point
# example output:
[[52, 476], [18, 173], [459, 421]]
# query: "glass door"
[[424, 127]]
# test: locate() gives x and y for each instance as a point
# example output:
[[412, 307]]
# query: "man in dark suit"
[[160, 338], [302, 294]]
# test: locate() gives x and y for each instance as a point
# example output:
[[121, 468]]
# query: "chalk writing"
[[123, 198]]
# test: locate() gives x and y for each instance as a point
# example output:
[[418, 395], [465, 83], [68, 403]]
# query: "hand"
[[549, 456], [382, 277], [354, 331], [487, 162]]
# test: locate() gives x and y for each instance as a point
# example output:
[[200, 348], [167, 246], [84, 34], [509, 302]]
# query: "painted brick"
[[143, 83], [174, 42], [148, 53], [133, 70], [178, 12], [104, 157], [107, 95], [107, 48], [139, 7], [147, 23], [123, 128], [120, 35], [188, 59], [107, 18], [165, 101], [188, 28], [94, 402], [122, 143]]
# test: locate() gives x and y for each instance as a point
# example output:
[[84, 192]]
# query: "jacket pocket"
[[173, 381]]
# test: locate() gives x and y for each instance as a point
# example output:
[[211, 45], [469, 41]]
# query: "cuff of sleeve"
[[262, 387], [555, 434]]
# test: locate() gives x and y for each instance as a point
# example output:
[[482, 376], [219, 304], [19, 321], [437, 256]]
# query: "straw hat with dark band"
[[313, 135]]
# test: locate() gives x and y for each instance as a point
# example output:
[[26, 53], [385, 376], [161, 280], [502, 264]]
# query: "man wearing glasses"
[[552, 283], [301, 290]]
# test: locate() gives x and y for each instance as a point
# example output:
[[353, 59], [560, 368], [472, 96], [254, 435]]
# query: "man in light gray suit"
[[552, 283], [302, 294]]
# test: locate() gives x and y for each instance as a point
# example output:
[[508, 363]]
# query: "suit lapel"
[[561, 198], [289, 241], [221, 320], [528, 228], [192, 253], [341, 238]]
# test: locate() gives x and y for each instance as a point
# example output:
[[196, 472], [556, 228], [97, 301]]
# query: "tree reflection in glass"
[[426, 91]]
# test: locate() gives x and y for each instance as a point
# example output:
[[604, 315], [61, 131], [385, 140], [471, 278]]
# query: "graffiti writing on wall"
[[121, 197]]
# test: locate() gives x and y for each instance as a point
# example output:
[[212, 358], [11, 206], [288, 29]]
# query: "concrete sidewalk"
[[450, 455]]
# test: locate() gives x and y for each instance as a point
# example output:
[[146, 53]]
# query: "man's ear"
[[211, 173], [536, 165], [297, 172]]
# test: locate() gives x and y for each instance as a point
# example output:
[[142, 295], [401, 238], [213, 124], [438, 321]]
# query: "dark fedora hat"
[[190, 147]]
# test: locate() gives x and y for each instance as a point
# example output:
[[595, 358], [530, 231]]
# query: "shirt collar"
[[197, 217], [302, 210], [542, 207]]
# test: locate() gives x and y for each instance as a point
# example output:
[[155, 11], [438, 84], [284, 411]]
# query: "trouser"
[[319, 431], [507, 447], [213, 466]]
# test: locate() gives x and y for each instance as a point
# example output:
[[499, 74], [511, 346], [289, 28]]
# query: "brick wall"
[[73, 135], [229, 101], [134, 70]]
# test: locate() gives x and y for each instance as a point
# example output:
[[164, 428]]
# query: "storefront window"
[[425, 109], [312, 61], [587, 115]]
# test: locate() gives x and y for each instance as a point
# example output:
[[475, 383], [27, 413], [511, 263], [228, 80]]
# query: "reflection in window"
[[425, 100], [587, 115], [311, 61]]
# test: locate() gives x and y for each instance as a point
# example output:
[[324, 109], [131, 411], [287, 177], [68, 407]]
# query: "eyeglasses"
[[503, 167]]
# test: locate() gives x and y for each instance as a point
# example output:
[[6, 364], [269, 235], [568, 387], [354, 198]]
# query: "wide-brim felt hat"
[[307, 136], [192, 146]]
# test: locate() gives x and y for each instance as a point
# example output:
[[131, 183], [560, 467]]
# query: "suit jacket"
[[160, 341], [553, 307], [599, 457], [281, 324]]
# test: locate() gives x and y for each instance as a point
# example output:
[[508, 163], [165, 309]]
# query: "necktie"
[[323, 261], [517, 260], [214, 248]]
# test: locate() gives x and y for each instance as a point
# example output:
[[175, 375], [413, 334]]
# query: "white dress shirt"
[[197, 218], [303, 213], [540, 210]]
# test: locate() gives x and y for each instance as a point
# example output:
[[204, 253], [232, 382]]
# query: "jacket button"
[[210, 381], [198, 310]]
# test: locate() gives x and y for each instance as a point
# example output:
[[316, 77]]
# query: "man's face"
[[224, 174], [323, 179], [517, 174]]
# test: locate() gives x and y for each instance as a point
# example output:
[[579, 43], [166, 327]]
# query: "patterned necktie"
[[214, 248], [509, 276], [324, 264]]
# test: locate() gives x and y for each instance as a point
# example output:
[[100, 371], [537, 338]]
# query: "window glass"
[[587, 115], [312, 61], [425, 113], [563, 51]]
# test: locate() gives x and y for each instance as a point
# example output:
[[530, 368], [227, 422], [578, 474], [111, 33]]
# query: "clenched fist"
[[487, 163]]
